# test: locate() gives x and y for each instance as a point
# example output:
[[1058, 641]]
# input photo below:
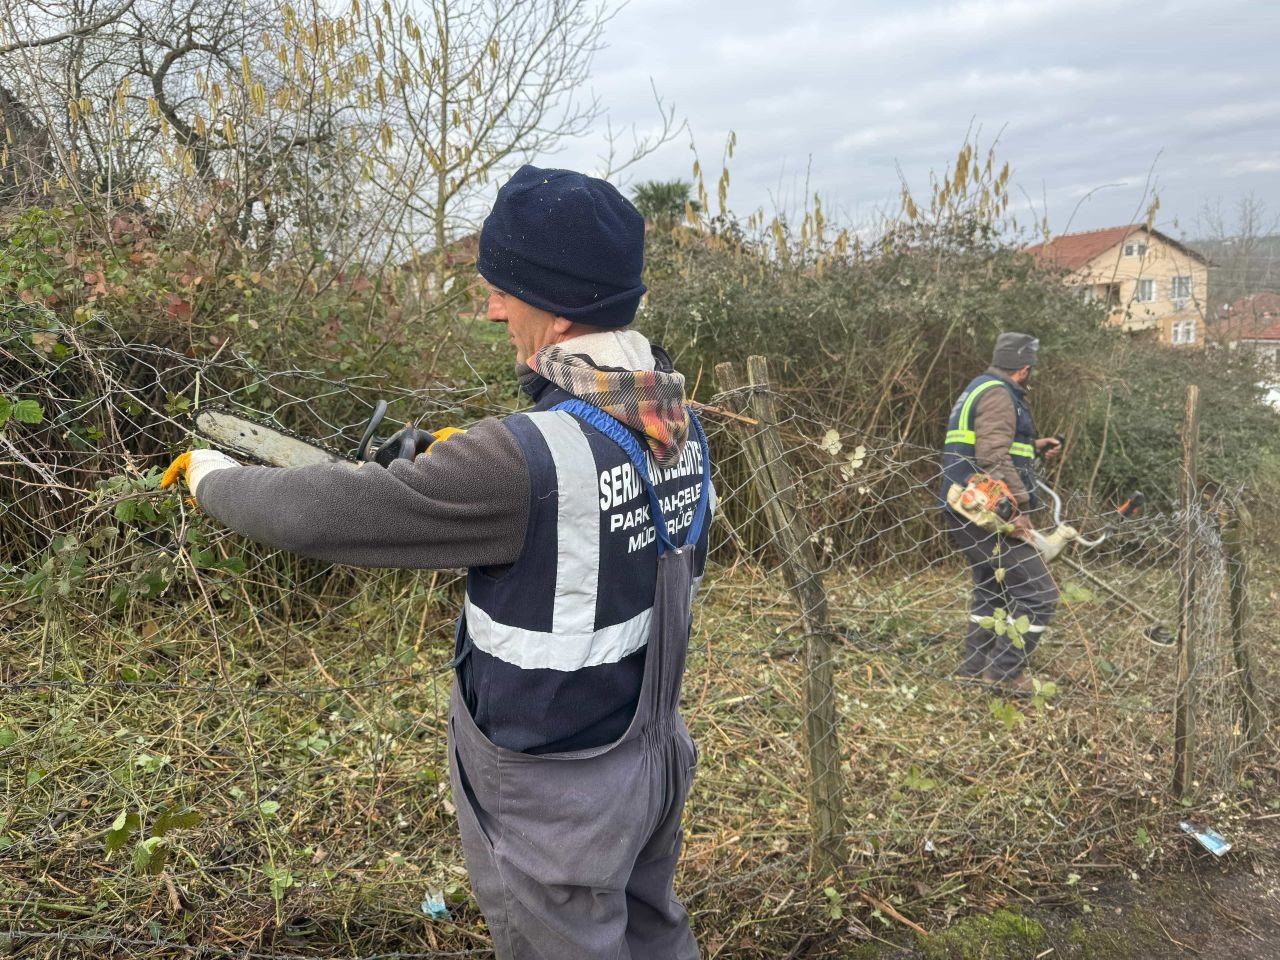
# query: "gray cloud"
[[1083, 93]]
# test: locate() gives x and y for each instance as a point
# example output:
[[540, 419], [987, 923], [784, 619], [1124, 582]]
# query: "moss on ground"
[[1003, 935], [1009, 934]]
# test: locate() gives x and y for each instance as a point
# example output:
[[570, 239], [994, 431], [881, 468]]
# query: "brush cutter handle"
[[1057, 501], [1057, 515]]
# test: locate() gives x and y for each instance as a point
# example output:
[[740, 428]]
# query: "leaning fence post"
[[777, 486], [1184, 694], [1236, 536]]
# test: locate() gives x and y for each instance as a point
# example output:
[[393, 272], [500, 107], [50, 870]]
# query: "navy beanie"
[[566, 243]]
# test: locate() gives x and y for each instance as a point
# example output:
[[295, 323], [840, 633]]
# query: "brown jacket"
[[994, 426]]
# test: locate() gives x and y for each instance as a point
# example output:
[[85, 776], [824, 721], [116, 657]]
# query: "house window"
[[1135, 249], [1180, 289], [1183, 331], [1146, 291]]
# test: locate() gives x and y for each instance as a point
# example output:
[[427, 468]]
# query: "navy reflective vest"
[[958, 463], [551, 650]]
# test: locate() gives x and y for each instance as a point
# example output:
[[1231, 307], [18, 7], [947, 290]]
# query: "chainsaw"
[[278, 447]]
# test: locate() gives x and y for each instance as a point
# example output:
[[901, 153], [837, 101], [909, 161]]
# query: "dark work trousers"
[[1027, 589], [572, 855]]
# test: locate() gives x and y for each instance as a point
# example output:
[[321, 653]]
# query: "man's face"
[[528, 328]]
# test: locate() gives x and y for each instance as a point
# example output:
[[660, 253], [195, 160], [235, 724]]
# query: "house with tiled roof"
[[1146, 280], [1252, 323]]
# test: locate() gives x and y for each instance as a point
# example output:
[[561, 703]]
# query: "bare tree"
[[357, 134], [235, 112], [480, 85], [26, 158], [1243, 243]]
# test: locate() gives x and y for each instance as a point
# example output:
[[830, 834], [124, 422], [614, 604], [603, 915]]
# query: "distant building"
[[423, 270], [1146, 280], [1252, 323]]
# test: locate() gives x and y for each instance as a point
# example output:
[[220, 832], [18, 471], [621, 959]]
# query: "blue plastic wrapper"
[[1209, 838], [434, 906]]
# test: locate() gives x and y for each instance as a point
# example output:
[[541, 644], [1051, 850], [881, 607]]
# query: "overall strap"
[[612, 428]]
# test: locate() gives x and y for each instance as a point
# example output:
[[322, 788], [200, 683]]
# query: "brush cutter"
[[1051, 544]]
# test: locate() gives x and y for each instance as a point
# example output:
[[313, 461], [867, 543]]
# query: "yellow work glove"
[[444, 433], [193, 466]]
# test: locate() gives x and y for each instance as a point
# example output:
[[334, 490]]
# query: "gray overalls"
[[572, 855]]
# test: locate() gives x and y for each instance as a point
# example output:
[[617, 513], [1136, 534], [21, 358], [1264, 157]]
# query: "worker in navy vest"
[[991, 432], [583, 525]]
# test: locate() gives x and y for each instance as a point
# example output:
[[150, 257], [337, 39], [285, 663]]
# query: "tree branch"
[[70, 34]]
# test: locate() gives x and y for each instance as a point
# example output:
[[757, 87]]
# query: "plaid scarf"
[[649, 401]]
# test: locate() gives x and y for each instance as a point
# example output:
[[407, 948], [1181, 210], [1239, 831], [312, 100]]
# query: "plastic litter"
[[434, 906], [1209, 838]]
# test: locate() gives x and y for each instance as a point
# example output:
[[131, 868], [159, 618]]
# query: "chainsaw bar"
[[263, 442]]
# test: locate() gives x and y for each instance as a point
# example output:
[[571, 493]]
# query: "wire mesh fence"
[[212, 749]]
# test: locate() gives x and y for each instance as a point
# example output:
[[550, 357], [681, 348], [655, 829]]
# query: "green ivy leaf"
[[27, 411], [150, 855], [1007, 713], [281, 880], [914, 780], [269, 808], [232, 565], [6, 410], [121, 829], [178, 819]]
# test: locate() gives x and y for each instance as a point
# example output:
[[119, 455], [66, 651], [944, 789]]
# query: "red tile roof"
[[1071, 251], [1255, 317]]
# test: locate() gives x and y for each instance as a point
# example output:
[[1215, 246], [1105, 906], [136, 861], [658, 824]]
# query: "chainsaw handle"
[[363, 452], [405, 444]]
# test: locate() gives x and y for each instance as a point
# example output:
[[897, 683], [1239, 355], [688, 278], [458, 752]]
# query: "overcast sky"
[[1083, 94]]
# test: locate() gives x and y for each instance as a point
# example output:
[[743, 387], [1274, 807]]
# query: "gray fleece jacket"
[[464, 503]]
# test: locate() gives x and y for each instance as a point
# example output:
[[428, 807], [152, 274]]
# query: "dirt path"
[[1199, 907], [1228, 910]]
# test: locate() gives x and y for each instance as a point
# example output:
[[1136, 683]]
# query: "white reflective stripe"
[[978, 618], [537, 650], [577, 525]]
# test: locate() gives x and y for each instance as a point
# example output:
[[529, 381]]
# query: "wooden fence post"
[[776, 483], [1236, 537], [1184, 694]]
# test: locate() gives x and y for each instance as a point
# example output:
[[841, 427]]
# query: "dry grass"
[[302, 761], [211, 750]]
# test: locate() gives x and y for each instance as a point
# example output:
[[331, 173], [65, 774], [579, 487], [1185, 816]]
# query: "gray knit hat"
[[1014, 351]]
